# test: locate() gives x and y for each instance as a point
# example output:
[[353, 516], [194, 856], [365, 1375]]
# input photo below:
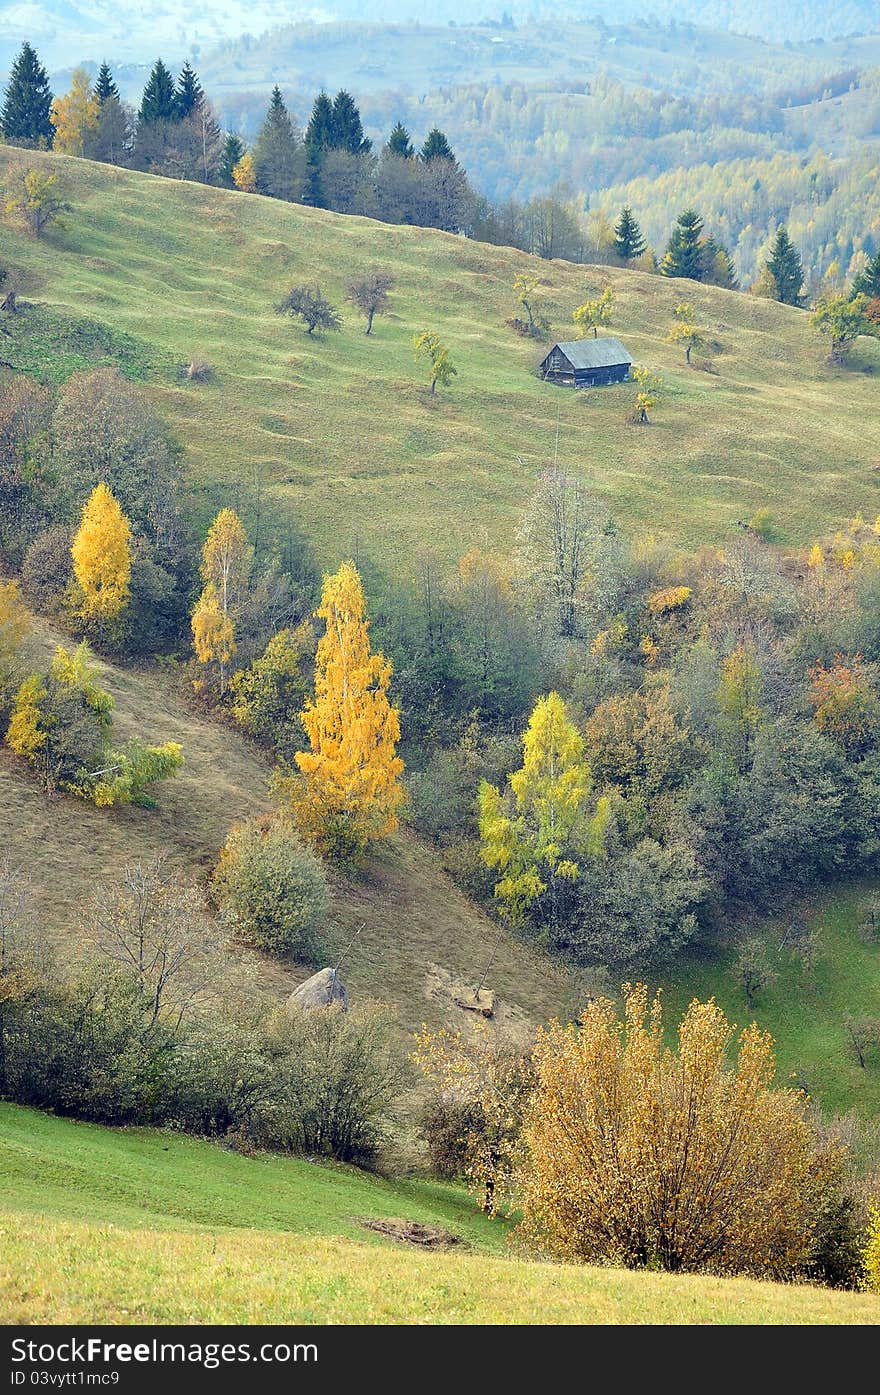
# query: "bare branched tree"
[[159, 931]]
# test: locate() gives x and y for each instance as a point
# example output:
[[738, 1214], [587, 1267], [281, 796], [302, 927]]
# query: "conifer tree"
[[188, 94], [277, 155], [628, 240], [349, 791], [318, 140], [101, 554], [348, 132], [399, 143], [233, 149], [683, 255], [786, 268], [159, 101], [867, 282], [28, 101], [105, 86], [436, 147]]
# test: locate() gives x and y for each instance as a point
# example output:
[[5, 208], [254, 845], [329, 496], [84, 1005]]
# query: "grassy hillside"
[[347, 437], [139, 1226], [420, 932]]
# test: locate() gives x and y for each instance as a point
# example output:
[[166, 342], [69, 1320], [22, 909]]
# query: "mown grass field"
[[343, 430], [136, 1225]]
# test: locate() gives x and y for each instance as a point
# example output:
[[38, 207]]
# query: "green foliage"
[[843, 320], [785, 266], [629, 244], [429, 346], [683, 256], [306, 303], [278, 159], [159, 100], [27, 101], [537, 833], [267, 697], [272, 889]]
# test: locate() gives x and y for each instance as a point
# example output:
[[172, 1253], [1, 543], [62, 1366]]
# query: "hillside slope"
[[342, 428], [139, 1226], [420, 934]]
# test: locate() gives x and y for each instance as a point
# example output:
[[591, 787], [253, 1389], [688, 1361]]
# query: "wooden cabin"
[[582, 363]]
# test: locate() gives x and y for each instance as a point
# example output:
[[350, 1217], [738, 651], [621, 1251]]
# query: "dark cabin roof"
[[606, 352]]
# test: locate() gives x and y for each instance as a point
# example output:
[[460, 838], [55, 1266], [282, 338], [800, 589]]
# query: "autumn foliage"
[[644, 1156], [845, 703], [348, 789], [101, 555]]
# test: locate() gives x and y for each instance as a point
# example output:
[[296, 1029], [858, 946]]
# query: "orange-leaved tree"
[[226, 564], [101, 555], [645, 1156], [348, 790]]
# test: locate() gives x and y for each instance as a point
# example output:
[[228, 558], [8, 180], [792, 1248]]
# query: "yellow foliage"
[[350, 789], [101, 554], [872, 1251], [651, 649], [244, 174], [644, 1156], [25, 735], [226, 563], [669, 598], [817, 557], [75, 115], [213, 632]]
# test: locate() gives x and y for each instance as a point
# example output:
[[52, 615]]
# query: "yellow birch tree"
[[226, 563], [101, 555]]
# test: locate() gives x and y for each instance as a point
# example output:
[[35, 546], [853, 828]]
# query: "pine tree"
[[188, 95], [786, 268], [628, 240], [277, 156], [399, 143], [350, 788], [436, 147], [159, 101], [867, 282], [101, 555], [233, 149], [105, 86], [684, 256], [28, 101], [318, 140], [348, 132]]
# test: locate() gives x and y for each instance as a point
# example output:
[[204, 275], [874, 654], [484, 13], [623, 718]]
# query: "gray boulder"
[[319, 991]]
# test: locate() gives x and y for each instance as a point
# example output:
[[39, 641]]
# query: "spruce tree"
[[718, 267], [399, 143], [318, 140], [277, 153], [348, 132], [188, 94], [233, 149], [684, 252], [628, 241], [28, 100], [159, 102], [867, 282], [786, 268], [436, 147], [105, 86]]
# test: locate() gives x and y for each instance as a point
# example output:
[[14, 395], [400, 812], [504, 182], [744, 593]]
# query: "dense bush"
[[650, 1158], [271, 889]]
